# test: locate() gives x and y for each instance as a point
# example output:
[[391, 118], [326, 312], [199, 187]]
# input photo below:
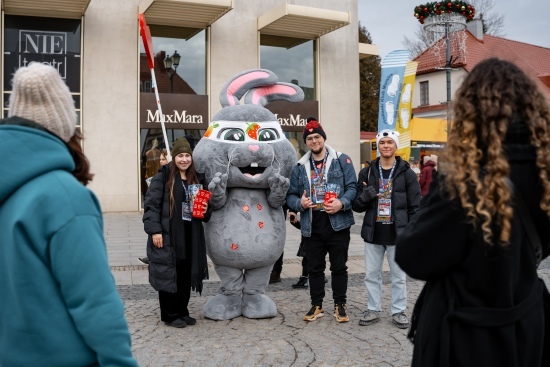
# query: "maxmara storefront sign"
[[293, 116], [190, 111], [181, 111]]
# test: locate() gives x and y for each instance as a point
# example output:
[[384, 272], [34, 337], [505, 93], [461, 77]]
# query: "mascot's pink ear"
[[241, 83], [278, 92]]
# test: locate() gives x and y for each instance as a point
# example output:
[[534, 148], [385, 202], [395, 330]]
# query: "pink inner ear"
[[274, 89], [240, 81]]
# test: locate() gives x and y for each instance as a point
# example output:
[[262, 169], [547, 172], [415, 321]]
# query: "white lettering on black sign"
[[291, 120], [51, 46], [175, 118]]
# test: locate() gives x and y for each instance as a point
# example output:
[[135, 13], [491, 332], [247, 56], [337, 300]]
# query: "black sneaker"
[[189, 320], [179, 323], [302, 283], [340, 313], [143, 260], [274, 278]]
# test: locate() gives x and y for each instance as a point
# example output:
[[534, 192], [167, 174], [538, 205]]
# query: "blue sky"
[[388, 21]]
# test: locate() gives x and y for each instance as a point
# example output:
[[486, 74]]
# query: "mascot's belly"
[[246, 232]]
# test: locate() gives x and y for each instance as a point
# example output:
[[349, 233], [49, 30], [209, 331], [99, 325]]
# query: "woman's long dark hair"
[[190, 173], [82, 165]]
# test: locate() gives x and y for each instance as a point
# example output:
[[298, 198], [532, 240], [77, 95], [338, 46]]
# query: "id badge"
[[384, 208], [186, 211], [319, 193]]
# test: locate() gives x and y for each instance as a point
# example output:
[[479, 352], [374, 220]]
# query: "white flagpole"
[[168, 155]]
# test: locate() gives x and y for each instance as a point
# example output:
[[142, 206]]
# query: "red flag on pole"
[[148, 45]]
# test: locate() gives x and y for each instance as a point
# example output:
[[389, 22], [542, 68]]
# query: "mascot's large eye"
[[233, 135], [268, 135]]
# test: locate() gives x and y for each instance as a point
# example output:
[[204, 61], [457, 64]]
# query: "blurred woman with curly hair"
[[483, 302]]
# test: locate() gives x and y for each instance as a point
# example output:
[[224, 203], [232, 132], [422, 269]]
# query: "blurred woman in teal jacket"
[[59, 304]]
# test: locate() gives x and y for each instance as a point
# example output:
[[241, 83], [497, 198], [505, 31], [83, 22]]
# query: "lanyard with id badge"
[[384, 200], [318, 183], [186, 205]]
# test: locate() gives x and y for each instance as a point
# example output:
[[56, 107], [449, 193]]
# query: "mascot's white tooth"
[[246, 207]]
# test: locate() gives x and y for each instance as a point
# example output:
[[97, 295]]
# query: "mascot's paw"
[[258, 306], [278, 184], [222, 307], [218, 184]]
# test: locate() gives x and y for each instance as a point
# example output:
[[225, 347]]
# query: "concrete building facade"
[[110, 84]]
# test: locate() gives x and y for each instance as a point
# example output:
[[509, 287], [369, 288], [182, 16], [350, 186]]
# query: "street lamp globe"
[[176, 59], [168, 63]]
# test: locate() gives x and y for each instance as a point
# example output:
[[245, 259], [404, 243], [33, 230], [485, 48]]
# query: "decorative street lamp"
[[170, 61]]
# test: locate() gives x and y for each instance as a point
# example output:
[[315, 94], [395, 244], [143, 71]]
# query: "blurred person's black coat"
[[481, 306]]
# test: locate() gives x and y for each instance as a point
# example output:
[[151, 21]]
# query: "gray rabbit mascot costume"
[[247, 160]]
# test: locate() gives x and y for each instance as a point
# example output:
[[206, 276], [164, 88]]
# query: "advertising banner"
[[404, 115], [391, 84], [391, 88]]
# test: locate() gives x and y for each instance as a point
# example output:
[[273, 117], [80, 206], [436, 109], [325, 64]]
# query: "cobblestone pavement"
[[285, 340]]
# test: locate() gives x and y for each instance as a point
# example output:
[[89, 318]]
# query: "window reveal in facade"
[[424, 93]]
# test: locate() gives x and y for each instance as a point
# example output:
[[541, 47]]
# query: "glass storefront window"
[[188, 77], [294, 65], [182, 93], [52, 41], [152, 144]]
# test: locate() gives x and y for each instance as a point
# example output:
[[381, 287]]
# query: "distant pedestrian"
[[59, 305], [426, 174], [389, 193], [475, 239], [176, 247]]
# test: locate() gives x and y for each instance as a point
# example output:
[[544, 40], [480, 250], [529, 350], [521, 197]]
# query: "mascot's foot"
[[222, 307], [258, 306]]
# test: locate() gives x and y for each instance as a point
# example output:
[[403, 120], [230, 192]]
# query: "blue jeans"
[[374, 257]]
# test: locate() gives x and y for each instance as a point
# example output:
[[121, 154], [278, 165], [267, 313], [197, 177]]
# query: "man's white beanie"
[[40, 95], [387, 133]]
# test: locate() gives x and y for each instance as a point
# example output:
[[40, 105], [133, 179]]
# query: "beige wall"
[[437, 89], [339, 82], [110, 85], [110, 101]]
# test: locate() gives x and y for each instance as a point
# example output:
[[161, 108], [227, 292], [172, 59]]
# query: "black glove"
[[368, 194]]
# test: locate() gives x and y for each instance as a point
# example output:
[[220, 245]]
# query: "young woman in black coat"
[[176, 246], [483, 303]]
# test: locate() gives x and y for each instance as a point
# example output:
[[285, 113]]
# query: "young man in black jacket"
[[389, 193]]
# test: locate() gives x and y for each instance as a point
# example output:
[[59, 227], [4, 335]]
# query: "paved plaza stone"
[[285, 340]]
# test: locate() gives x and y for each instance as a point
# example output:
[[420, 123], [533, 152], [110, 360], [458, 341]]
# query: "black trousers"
[[174, 305], [278, 266], [336, 245], [305, 270]]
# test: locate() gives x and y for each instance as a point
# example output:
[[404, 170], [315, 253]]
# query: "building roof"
[[368, 135], [533, 60]]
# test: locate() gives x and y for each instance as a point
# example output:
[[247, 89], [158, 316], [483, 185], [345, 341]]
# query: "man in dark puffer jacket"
[[389, 192]]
